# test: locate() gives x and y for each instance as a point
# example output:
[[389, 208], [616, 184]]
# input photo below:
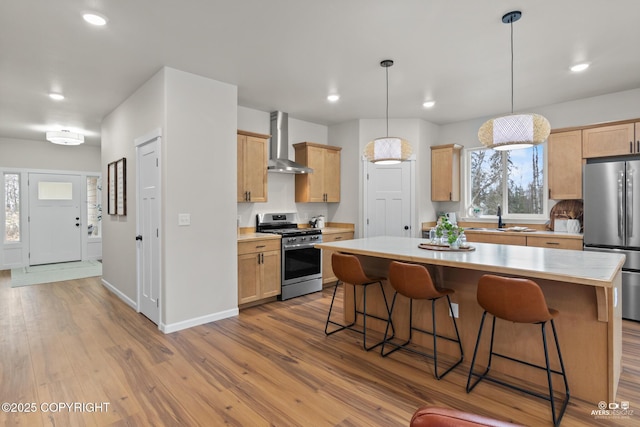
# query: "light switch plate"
[[184, 219]]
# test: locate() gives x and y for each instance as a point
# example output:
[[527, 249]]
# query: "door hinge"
[[157, 302], [157, 233], [156, 162], [367, 221]]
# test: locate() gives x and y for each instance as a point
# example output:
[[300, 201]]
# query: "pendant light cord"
[[387, 111], [511, 24]]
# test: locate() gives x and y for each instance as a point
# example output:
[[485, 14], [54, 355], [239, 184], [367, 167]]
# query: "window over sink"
[[515, 180]]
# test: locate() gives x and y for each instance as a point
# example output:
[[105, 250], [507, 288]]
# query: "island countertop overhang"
[[586, 268]]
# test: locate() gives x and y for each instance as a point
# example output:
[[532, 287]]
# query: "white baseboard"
[[131, 303], [196, 321]]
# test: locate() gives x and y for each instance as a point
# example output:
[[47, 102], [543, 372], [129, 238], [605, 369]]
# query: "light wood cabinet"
[[445, 173], [252, 167], [613, 140], [555, 243], [258, 270], [328, 277], [541, 241], [565, 165], [323, 185], [496, 237]]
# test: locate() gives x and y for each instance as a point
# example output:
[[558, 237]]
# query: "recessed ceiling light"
[[579, 67], [95, 19], [56, 96], [333, 97], [428, 104]]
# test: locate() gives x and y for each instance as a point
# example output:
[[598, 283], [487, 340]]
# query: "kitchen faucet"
[[499, 213]]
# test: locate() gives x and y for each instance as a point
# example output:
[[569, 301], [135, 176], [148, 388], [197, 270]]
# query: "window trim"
[[508, 216]]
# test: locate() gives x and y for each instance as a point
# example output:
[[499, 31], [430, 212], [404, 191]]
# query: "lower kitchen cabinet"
[[541, 240], [555, 243], [258, 270], [328, 277]]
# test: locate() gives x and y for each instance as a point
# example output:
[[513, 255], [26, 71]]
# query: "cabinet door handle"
[[552, 243], [450, 196], [339, 238], [261, 246], [549, 193], [249, 195], [261, 258], [631, 146], [638, 146]]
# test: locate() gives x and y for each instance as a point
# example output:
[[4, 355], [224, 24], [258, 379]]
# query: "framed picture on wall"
[[111, 188], [121, 186]]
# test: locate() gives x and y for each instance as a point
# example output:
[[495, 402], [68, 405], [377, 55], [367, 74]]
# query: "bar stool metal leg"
[[434, 356]]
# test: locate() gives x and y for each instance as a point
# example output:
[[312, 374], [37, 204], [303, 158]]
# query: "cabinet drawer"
[[550, 242], [497, 237], [336, 237], [258, 246]]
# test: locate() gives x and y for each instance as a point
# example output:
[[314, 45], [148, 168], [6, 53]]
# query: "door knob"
[[77, 224], [406, 227], [139, 237], [77, 218]]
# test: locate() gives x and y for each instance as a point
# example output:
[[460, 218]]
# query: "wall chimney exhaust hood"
[[279, 155]]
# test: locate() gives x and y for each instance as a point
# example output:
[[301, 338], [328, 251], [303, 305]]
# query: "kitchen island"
[[585, 287]]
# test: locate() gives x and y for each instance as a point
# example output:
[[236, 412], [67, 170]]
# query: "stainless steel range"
[[301, 262]]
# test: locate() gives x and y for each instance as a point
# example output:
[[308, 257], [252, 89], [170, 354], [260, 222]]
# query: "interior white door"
[[55, 224], [388, 210], [148, 225]]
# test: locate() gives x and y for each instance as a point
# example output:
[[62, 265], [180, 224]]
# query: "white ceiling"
[[290, 54]]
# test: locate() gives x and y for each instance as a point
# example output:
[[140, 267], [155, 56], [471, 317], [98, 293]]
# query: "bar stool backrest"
[[513, 299], [348, 269], [412, 280]]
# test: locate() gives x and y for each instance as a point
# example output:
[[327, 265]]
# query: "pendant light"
[[514, 131], [387, 150]]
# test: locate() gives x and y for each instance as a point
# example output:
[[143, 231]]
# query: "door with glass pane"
[[55, 223]]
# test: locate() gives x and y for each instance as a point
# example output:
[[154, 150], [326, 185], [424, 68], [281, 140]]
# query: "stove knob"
[[303, 238]]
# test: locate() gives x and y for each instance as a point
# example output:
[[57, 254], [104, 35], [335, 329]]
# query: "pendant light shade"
[[65, 137], [389, 149], [514, 131]]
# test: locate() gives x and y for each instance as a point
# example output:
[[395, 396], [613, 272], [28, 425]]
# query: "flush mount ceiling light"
[[428, 104], [514, 131], [387, 150], [56, 96], [95, 19], [333, 97], [64, 137]]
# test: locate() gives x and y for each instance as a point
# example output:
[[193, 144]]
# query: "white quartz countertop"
[[587, 268]]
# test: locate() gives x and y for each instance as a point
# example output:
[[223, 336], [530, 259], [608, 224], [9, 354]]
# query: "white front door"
[[388, 209], [55, 224], [148, 225]]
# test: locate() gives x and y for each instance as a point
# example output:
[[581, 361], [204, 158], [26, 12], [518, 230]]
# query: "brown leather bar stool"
[[348, 270], [519, 301], [413, 281]]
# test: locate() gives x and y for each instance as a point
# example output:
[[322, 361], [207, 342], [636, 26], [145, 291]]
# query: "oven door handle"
[[300, 246]]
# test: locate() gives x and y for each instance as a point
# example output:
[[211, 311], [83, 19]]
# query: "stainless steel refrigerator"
[[612, 221]]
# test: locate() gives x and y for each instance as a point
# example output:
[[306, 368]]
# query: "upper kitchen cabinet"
[[252, 166], [565, 165], [323, 185], [613, 140], [445, 173]]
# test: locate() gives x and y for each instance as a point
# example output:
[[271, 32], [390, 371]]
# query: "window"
[[513, 180], [12, 207], [94, 206]]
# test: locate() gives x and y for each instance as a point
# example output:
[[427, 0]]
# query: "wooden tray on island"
[[435, 247]]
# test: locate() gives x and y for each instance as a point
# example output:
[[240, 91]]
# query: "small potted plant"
[[449, 231]]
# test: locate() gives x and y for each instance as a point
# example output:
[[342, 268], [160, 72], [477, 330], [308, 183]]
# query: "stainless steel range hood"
[[279, 155]]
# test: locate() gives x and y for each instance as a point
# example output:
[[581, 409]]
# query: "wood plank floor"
[[270, 366]]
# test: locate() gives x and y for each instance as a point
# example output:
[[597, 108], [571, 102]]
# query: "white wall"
[[281, 186], [346, 135], [136, 116], [198, 119], [199, 157], [29, 154]]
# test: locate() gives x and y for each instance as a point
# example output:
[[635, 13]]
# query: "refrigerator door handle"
[[620, 204], [629, 202]]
